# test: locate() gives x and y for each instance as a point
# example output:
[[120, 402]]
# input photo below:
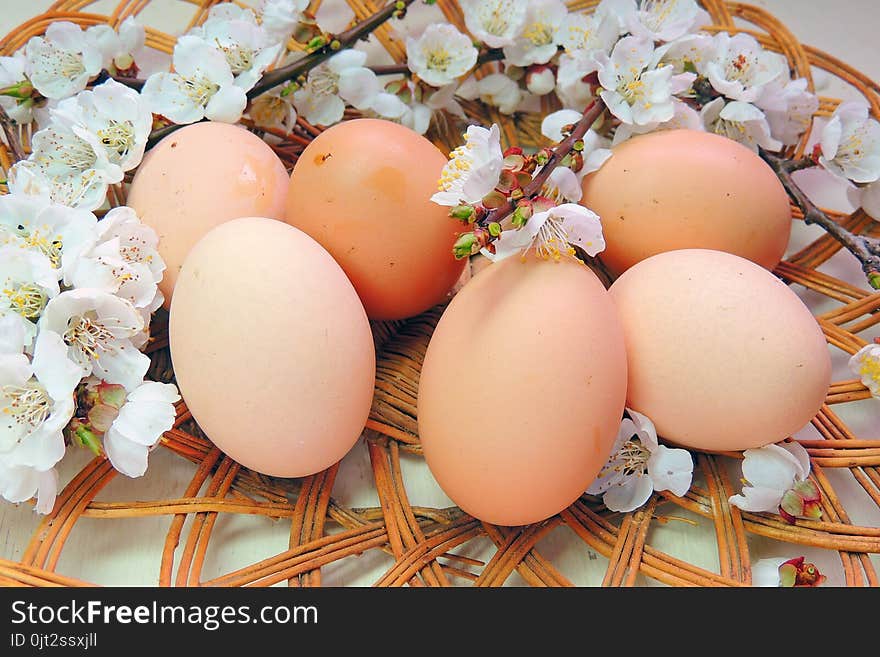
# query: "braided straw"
[[419, 546]]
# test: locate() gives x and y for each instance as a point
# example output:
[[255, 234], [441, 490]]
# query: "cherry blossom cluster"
[[76, 293]]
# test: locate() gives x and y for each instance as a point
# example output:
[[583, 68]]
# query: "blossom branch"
[[12, 140], [564, 147], [866, 249], [342, 41], [491, 55]]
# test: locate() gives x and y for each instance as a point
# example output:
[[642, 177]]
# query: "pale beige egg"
[[522, 390], [682, 189], [722, 354], [198, 177], [271, 347]]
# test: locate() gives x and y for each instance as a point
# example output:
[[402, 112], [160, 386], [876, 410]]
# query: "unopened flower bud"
[[522, 213], [543, 156], [463, 213], [874, 279], [464, 246], [495, 229], [316, 42], [540, 80], [796, 573]]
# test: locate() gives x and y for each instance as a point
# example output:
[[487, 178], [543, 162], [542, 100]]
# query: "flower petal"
[[551, 126], [765, 572], [630, 495], [757, 499], [771, 466], [227, 105], [671, 469], [127, 456]]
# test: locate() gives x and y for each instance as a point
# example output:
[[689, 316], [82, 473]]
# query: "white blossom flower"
[[685, 117], [280, 17], [341, 79], [61, 63], [58, 232], [274, 109], [571, 85], [553, 234], [865, 364], [440, 55], [789, 107], [494, 22], [474, 168], [639, 465], [65, 167], [19, 483], [742, 122], [540, 80], [665, 20], [538, 39], [634, 92], [147, 413], [112, 117], [123, 261], [688, 54], [418, 114], [202, 86], [334, 16], [97, 328], [16, 102], [247, 47], [588, 33], [27, 282], [119, 50], [740, 67], [495, 89], [850, 143], [765, 572], [769, 473]]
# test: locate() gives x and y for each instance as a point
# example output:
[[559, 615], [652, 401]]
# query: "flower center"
[[869, 368], [741, 69], [90, 337], [632, 88], [495, 19], [41, 239], [460, 162], [539, 33], [438, 59], [732, 129], [239, 59], [25, 407], [551, 242], [634, 458], [199, 89], [118, 137], [63, 63], [657, 12], [69, 150], [852, 147], [27, 299]]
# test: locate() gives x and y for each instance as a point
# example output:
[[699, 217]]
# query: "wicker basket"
[[312, 527]]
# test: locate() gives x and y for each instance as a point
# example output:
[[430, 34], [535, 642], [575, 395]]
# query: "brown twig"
[[12, 140], [559, 152], [866, 249]]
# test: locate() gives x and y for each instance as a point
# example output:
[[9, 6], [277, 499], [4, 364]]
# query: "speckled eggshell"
[[522, 390], [271, 347], [681, 189], [198, 177], [362, 188], [722, 354]]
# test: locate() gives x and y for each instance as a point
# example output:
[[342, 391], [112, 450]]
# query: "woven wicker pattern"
[[429, 546]]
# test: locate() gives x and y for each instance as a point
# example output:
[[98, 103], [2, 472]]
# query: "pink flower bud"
[[540, 80]]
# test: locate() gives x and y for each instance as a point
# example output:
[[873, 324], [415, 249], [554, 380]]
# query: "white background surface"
[[128, 552]]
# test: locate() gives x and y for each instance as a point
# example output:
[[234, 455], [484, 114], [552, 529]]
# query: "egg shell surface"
[[522, 390], [722, 355], [680, 189], [362, 188], [198, 177], [271, 347]]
